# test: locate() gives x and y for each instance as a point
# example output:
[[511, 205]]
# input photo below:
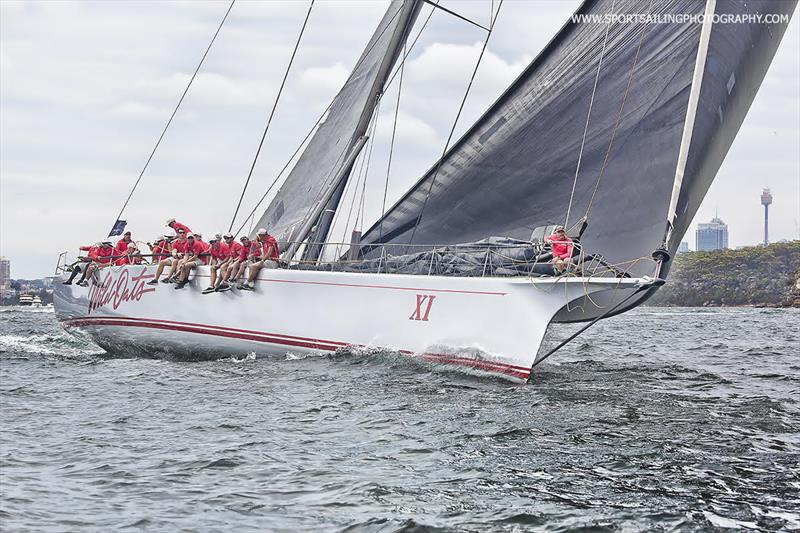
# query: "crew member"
[[159, 250], [232, 266], [130, 257], [177, 250], [76, 268], [240, 265], [220, 257], [561, 247], [196, 255], [102, 259], [172, 223], [121, 247], [264, 252]]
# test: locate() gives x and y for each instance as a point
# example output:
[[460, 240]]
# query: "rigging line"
[[271, 114], [588, 115], [410, 48], [366, 171], [453, 129], [361, 174], [619, 113], [391, 144], [312, 130], [285, 166], [465, 19], [360, 164], [174, 111]]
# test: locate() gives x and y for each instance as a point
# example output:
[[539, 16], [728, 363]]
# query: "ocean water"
[[658, 420]]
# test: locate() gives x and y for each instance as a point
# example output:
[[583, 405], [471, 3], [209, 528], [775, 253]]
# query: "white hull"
[[492, 325]]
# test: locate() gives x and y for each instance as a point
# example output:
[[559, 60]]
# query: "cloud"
[[411, 130], [323, 80], [136, 110]]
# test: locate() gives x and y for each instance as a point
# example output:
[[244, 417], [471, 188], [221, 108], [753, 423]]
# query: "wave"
[[60, 344]]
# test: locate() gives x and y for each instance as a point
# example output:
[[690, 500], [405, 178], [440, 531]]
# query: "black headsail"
[[515, 169], [326, 162]]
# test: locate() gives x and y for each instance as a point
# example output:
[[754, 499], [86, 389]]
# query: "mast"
[[323, 216]]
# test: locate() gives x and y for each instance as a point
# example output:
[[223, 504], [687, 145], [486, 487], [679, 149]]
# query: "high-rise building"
[[712, 235], [766, 199], [683, 247], [5, 274]]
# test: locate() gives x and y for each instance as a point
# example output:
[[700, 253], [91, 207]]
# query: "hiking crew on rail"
[[182, 253]]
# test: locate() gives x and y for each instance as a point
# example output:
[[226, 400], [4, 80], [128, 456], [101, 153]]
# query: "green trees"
[[755, 275]]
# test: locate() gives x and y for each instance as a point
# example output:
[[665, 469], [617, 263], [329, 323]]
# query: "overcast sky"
[[86, 87]]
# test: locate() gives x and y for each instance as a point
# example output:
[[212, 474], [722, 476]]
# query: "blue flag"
[[119, 227]]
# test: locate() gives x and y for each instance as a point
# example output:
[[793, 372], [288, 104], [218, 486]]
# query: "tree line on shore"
[[767, 276]]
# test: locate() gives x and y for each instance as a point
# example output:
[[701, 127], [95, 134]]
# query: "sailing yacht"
[[615, 131]]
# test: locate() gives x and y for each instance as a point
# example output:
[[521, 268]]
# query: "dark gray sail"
[[330, 149], [515, 169], [737, 61]]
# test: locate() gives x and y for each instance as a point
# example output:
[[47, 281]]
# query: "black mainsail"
[[516, 168], [313, 187]]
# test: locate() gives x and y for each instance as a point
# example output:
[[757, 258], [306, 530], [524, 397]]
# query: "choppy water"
[[680, 419]]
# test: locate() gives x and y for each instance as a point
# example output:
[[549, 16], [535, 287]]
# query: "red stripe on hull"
[[285, 340]]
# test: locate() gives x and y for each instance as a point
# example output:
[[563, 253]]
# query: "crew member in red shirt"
[[242, 260], [159, 250], [176, 226], [229, 273], [102, 259], [264, 252], [177, 251], [196, 255], [220, 256], [131, 256], [121, 248], [91, 250], [561, 247]]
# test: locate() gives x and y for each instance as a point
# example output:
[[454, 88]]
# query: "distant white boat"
[[37, 302], [26, 299]]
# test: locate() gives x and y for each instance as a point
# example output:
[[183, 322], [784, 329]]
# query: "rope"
[[453, 129], [619, 113], [359, 162], [313, 128], [271, 114], [391, 144], [174, 111], [367, 154], [588, 115], [366, 172]]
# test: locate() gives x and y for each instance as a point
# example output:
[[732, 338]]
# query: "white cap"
[[170, 221], [131, 246], [262, 231], [188, 235]]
